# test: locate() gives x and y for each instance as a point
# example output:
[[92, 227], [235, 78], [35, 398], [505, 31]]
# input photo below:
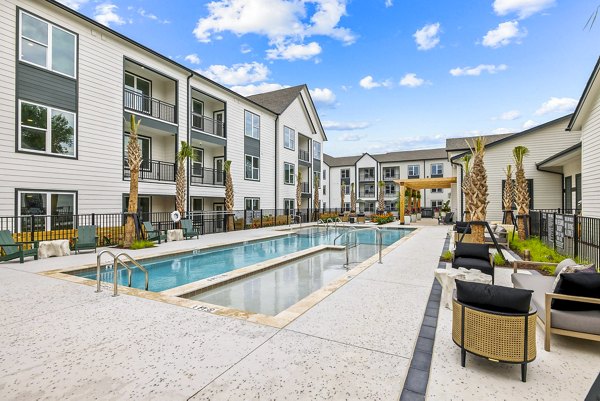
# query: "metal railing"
[[304, 155], [366, 194], [208, 125], [207, 176], [305, 187], [355, 230], [153, 107], [116, 261], [391, 177], [366, 177], [152, 170]]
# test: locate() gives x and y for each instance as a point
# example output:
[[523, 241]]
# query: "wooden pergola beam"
[[419, 184]]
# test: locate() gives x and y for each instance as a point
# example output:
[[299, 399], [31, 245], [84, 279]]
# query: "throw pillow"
[[493, 297], [579, 284], [570, 269], [564, 263], [476, 251]]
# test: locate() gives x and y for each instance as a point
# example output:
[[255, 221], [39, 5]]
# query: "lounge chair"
[[473, 256], [447, 219], [86, 238], [13, 250], [154, 235], [188, 229]]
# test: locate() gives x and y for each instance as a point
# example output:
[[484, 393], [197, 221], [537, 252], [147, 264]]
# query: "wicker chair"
[[496, 336]]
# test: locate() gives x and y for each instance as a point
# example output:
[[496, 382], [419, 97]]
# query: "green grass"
[[447, 256], [141, 244], [539, 252], [499, 259]]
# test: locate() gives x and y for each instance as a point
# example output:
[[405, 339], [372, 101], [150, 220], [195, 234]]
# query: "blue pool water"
[[170, 272]]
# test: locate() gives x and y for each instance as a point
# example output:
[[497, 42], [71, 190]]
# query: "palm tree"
[[508, 198], [134, 161], [343, 196], [352, 198], [478, 190], [299, 191], [316, 197], [380, 196], [522, 189], [186, 152], [466, 184], [229, 199]]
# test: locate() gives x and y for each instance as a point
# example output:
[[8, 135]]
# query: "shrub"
[[499, 259], [447, 256], [142, 244], [382, 218]]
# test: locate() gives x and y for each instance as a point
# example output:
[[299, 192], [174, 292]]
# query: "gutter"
[[189, 141], [461, 191], [277, 159]]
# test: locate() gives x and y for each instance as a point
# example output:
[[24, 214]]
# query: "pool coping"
[[279, 321]]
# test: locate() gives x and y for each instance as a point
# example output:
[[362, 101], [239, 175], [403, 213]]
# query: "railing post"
[[554, 229], [32, 227], [575, 237], [245, 219], [261, 218], [93, 219]]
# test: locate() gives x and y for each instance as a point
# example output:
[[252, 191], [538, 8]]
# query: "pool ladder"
[[354, 230], [116, 261]]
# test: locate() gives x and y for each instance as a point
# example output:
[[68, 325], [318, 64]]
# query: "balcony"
[[391, 177], [150, 106], [304, 155], [366, 177], [305, 188], [366, 194], [152, 170], [391, 194], [413, 176], [208, 125], [207, 176]]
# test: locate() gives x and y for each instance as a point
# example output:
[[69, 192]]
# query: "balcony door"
[[198, 114], [219, 176], [219, 117], [198, 163], [138, 92]]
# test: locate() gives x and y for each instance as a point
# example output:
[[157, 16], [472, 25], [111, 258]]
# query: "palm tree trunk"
[[134, 160]]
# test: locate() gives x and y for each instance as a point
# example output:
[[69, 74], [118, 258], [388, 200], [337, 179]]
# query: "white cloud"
[[411, 80], [408, 143], [323, 96], [475, 71], [245, 48], [237, 74], [504, 34], [350, 137], [106, 14], [499, 131], [557, 105], [151, 16], [293, 52], [369, 83], [389, 3], [523, 8], [288, 22], [193, 58], [508, 115], [74, 4], [529, 124], [427, 37], [345, 126], [253, 89]]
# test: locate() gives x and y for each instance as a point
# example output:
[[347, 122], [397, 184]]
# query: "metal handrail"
[[98, 267], [116, 261], [136, 263], [354, 230]]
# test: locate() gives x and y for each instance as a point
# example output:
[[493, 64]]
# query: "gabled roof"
[[279, 100], [340, 161], [408, 155], [454, 144], [591, 88]]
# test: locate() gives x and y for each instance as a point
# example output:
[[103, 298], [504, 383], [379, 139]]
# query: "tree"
[[299, 190], [508, 198], [522, 189], [343, 196], [466, 184], [352, 198], [380, 196], [478, 190], [186, 152], [134, 160], [229, 198], [316, 197]]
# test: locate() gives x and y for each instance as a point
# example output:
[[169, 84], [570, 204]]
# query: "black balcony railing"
[[437, 175], [208, 125], [148, 105], [152, 170], [305, 187], [366, 177], [390, 177], [304, 155], [365, 194], [391, 194], [207, 176], [413, 176]]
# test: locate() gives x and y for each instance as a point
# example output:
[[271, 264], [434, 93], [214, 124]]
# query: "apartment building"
[[69, 86], [366, 171]]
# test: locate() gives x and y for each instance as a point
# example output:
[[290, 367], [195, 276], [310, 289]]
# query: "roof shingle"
[[279, 100]]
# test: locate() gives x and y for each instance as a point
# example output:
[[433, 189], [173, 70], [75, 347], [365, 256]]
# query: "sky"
[[385, 75]]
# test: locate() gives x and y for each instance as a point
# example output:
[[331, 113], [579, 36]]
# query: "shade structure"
[[418, 184]]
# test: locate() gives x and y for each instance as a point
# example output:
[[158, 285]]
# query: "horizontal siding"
[[41, 86], [590, 162]]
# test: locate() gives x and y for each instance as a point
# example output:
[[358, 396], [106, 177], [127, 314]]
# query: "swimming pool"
[[173, 271]]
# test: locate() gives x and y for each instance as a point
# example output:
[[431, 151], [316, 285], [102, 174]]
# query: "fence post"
[[32, 227], [261, 218], [575, 237], [93, 219], [554, 229], [245, 219]]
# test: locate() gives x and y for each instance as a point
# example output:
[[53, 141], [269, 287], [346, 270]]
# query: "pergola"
[[418, 184]]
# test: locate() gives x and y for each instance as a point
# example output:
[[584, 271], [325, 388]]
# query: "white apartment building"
[[69, 86], [367, 170]]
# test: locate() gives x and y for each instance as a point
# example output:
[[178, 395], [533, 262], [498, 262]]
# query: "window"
[[138, 92], [347, 189], [198, 114], [145, 146], [289, 205], [414, 171], [324, 189], [317, 150], [390, 189], [289, 138], [345, 173], [251, 125], [324, 174], [252, 169], [370, 207], [437, 191], [367, 173], [437, 204], [289, 173], [369, 189], [252, 203], [44, 129], [198, 162], [57, 209], [437, 170], [347, 206], [389, 172], [47, 45], [390, 206]]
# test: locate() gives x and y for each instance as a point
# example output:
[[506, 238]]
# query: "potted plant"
[[445, 208], [419, 205], [436, 213], [407, 218]]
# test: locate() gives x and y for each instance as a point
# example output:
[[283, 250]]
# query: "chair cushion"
[[564, 263], [476, 251], [470, 263], [493, 297], [572, 269], [582, 284]]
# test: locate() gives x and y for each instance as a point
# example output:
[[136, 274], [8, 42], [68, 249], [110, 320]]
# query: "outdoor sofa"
[[473, 256]]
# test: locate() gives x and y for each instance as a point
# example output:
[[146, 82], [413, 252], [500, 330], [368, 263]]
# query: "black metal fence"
[[568, 233]]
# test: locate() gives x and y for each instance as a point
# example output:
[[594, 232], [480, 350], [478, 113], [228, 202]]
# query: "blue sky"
[[386, 74]]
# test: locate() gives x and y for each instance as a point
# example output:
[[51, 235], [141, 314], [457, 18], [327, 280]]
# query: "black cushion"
[[582, 284], [470, 263], [461, 227], [476, 251], [493, 297]]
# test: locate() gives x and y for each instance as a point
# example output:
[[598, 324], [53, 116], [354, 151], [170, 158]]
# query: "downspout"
[[461, 192], [277, 159], [562, 183], [424, 191], [189, 136]]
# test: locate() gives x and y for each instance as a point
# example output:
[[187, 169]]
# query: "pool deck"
[[62, 341]]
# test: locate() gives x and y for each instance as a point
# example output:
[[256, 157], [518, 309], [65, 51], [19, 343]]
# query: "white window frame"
[[413, 167], [436, 166], [48, 130], [342, 171], [389, 172], [289, 204], [289, 138], [437, 203], [437, 190], [48, 195], [198, 161], [324, 175], [253, 125], [324, 189], [347, 190], [287, 166], [255, 204], [347, 207], [317, 155], [390, 189], [253, 168], [48, 47]]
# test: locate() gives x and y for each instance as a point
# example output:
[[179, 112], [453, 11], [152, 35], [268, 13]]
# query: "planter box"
[[407, 220]]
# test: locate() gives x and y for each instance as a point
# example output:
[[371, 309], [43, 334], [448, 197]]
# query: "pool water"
[[169, 272]]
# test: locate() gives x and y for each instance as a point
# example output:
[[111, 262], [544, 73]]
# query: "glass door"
[[219, 123], [138, 94], [219, 171]]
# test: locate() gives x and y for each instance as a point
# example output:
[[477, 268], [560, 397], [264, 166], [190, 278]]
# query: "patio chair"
[[86, 238], [153, 234], [188, 229], [473, 256], [13, 250], [447, 219]]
